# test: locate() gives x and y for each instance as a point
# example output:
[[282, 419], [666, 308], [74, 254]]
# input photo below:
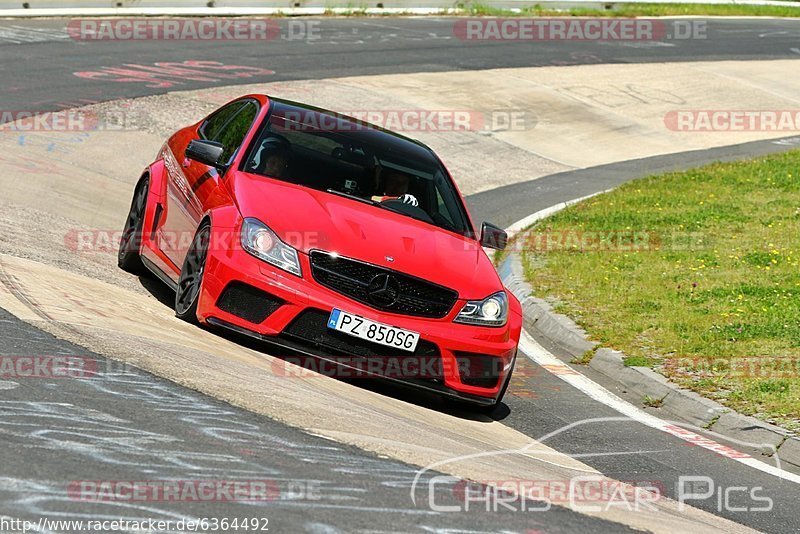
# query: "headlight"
[[262, 243], [491, 311]]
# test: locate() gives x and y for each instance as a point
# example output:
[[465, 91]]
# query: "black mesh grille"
[[479, 370], [352, 278], [247, 302], [310, 327]]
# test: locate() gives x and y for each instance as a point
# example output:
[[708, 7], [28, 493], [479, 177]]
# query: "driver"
[[273, 157], [276, 165], [396, 188]]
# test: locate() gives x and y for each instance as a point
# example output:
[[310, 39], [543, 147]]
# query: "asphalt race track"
[[160, 430], [136, 425], [40, 74]]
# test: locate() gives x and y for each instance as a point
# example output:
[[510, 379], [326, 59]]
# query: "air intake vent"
[[247, 302]]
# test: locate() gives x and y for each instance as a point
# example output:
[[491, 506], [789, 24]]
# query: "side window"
[[236, 129], [214, 125]]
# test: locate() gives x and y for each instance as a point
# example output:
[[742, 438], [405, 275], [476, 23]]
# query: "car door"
[[195, 188]]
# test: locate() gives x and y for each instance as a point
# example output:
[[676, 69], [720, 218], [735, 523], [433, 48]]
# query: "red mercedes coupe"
[[332, 238]]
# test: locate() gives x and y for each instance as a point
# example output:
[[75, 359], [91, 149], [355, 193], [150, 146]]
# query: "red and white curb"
[[545, 359]]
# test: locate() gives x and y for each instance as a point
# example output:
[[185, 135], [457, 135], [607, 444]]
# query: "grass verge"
[[696, 274], [639, 10]]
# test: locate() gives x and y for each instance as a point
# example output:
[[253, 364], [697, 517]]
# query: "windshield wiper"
[[352, 197]]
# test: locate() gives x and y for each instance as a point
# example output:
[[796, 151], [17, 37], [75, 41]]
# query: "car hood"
[[309, 219]]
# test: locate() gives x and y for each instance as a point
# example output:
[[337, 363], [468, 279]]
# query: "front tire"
[[130, 244], [191, 280]]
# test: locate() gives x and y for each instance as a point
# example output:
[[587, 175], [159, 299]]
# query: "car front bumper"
[[245, 294]]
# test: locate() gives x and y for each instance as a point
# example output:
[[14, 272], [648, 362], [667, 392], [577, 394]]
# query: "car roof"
[[356, 129]]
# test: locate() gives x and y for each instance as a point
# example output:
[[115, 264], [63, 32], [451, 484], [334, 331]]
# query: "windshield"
[[346, 158]]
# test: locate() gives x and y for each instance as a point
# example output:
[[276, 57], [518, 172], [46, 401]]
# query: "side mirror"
[[493, 237], [205, 152]]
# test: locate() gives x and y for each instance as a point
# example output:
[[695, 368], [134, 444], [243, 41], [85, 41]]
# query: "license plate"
[[382, 334]]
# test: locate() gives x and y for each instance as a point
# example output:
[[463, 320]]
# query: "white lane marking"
[[541, 356], [772, 34], [645, 44], [7, 385], [790, 141]]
